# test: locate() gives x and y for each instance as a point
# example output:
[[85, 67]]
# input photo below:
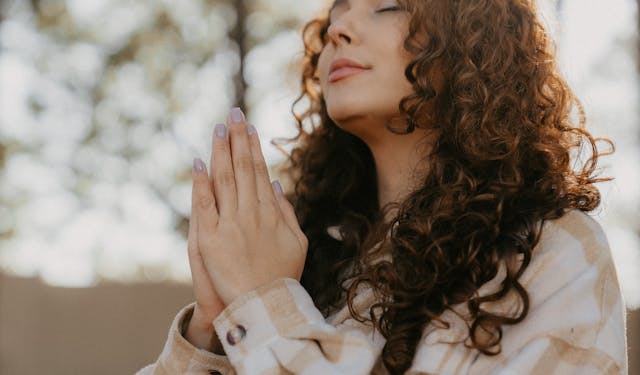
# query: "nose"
[[341, 30]]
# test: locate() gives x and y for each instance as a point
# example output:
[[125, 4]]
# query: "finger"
[[192, 239], [195, 258], [224, 181], [198, 272], [203, 201], [242, 159], [204, 292], [289, 214], [264, 189]]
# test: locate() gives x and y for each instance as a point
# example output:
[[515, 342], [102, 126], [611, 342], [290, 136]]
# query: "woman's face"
[[369, 33]]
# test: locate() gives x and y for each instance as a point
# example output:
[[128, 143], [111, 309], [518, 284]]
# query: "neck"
[[400, 166]]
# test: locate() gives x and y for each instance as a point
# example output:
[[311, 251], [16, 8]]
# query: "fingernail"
[[251, 129], [198, 165], [221, 131], [277, 187], [237, 115]]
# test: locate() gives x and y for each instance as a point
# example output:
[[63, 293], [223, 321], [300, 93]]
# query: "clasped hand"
[[243, 232]]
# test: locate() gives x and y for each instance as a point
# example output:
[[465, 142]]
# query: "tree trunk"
[[238, 37]]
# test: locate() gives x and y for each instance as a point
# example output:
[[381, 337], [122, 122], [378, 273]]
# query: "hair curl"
[[500, 165]]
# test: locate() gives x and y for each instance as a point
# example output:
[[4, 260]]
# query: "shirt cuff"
[[254, 319], [179, 355]]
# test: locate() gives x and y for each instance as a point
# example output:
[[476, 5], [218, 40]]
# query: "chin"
[[352, 111], [340, 114], [345, 107]]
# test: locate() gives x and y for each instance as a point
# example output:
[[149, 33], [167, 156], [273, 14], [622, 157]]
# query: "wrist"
[[202, 321], [201, 333]]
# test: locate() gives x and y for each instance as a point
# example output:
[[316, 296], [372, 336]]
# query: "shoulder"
[[576, 231], [575, 319], [576, 304], [568, 247], [571, 274]]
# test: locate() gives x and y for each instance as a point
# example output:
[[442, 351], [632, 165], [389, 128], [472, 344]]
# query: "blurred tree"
[[638, 29], [109, 103], [238, 35]]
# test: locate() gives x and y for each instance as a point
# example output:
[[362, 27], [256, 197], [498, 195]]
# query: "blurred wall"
[[109, 329]]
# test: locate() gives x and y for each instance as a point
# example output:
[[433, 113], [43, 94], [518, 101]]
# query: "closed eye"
[[390, 9]]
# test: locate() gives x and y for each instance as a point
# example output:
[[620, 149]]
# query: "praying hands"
[[243, 232]]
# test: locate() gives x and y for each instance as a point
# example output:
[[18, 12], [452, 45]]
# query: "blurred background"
[[103, 106]]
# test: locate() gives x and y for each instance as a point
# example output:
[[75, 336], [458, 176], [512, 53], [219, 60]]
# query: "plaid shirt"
[[575, 325]]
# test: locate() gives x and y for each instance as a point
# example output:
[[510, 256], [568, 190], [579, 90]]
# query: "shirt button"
[[235, 335]]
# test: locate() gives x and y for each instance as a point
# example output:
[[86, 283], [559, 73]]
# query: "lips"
[[343, 68]]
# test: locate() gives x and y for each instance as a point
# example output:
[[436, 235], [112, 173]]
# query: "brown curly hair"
[[508, 129]]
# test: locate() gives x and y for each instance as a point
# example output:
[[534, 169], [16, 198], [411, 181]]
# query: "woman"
[[439, 225]]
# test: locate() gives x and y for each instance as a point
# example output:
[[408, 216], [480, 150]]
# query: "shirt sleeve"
[[576, 320], [179, 356], [277, 329]]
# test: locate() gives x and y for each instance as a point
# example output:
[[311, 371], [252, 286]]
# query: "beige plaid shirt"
[[576, 324]]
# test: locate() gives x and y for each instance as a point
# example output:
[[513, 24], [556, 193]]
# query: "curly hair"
[[508, 130]]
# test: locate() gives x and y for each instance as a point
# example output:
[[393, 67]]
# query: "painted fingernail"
[[251, 129], [237, 115], [221, 131], [277, 187], [198, 165]]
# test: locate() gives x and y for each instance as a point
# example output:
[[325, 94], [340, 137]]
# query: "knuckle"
[[226, 178], [238, 129], [260, 167], [244, 164], [204, 201], [221, 147]]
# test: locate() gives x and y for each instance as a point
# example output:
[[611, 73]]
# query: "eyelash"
[[390, 9]]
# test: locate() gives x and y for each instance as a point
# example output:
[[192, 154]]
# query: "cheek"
[[394, 74], [323, 63], [322, 70]]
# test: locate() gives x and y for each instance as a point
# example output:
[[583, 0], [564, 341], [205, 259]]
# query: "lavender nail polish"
[[251, 129], [221, 131], [277, 187], [237, 115], [198, 165]]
